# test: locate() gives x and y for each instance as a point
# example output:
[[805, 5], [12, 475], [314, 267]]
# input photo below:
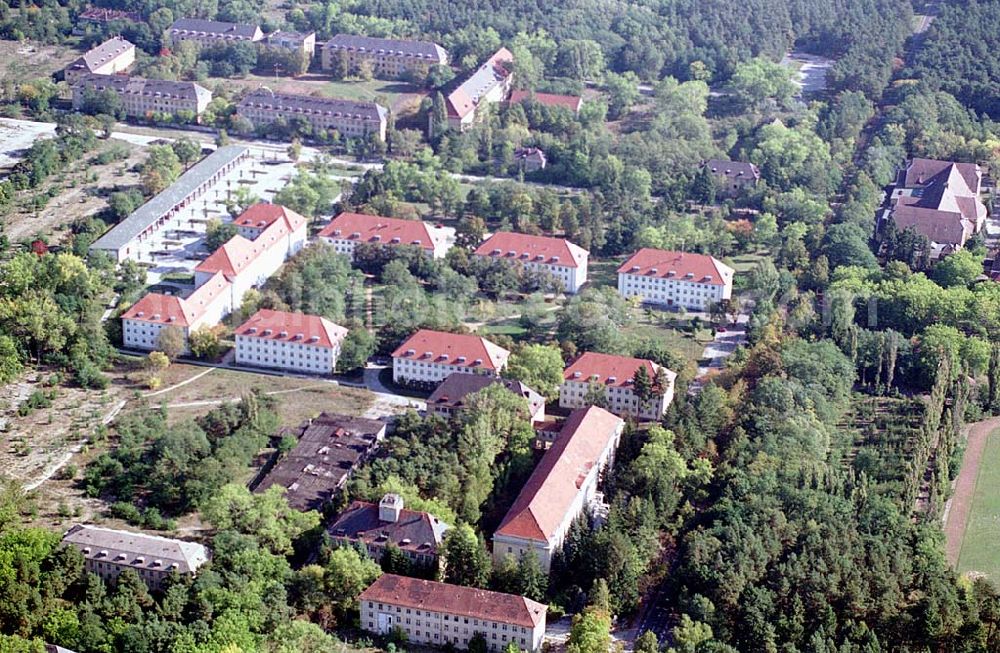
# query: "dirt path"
[[960, 505]]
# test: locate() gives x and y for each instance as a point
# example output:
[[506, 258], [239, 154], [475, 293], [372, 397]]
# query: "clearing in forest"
[[977, 551]]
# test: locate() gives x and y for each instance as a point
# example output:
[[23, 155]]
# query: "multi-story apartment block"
[[124, 240], [418, 535], [691, 281], [148, 317], [304, 42], [614, 375], [939, 200], [329, 448], [350, 118], [562, 486], [213, 32], [489, 84], [347, 230], [557, 256], [142, 98], [732, 177], [248, 263], [289, 341], [108, 552], [388, 57], [111, 57], [440, 614], [449, 398], [428, 357]]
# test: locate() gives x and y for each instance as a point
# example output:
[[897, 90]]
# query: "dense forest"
[[959, 55]]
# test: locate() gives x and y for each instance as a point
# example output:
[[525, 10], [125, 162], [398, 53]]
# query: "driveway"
[[721, 347]]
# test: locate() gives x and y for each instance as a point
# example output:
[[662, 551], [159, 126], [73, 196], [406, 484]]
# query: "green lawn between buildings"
[[979, 546]]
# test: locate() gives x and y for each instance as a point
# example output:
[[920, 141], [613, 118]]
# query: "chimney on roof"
[[390, 507]]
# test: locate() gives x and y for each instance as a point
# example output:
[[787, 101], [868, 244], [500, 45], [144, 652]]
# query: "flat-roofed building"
[[449, 398], [428, 357], [375, 527], [556, 256], [142, 98], [143, 322], [665, 278], [330, 447], [304, 42], [351, 118], [562, 486], [289, 341], [614, 375], [121, 241], [442, 614], [489, 84], [348, 230], [108, 552], [213, 32], [113, 56], [387, 57]]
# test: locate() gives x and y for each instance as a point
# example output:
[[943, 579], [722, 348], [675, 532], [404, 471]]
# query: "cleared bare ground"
[[21, 61]]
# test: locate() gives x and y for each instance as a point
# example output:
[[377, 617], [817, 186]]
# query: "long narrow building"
[[142, 98], [441, 614], [121, 241], [350, 118], [562, 486], [387, 57]]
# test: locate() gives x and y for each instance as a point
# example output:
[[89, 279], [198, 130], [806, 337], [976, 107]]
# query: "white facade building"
[[249, 263], [614, 374], [108, 552], [562, 486], [693, 281], [148, 317], [347, 230], [428, 357], [289, 341], [556, 256], [439, 614], [489, 84]]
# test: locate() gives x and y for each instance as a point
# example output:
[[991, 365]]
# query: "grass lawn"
[[979, 546], [603, 273], [746, 262], [296, 399]]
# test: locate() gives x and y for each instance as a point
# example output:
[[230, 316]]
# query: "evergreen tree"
[[439, 116]]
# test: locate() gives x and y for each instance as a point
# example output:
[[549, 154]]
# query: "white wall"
[[673, 292], [296, 356]]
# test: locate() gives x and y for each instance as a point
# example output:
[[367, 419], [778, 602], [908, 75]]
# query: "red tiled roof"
[[533, 249], [169, 309], [677, 265], [921, 171], [455, 599], [548, 495], [464, 99], [603, 367], [165, 309], [262, 215], [449, 348], [571, 102], [296, 327], [238, 253], [379, 229]]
